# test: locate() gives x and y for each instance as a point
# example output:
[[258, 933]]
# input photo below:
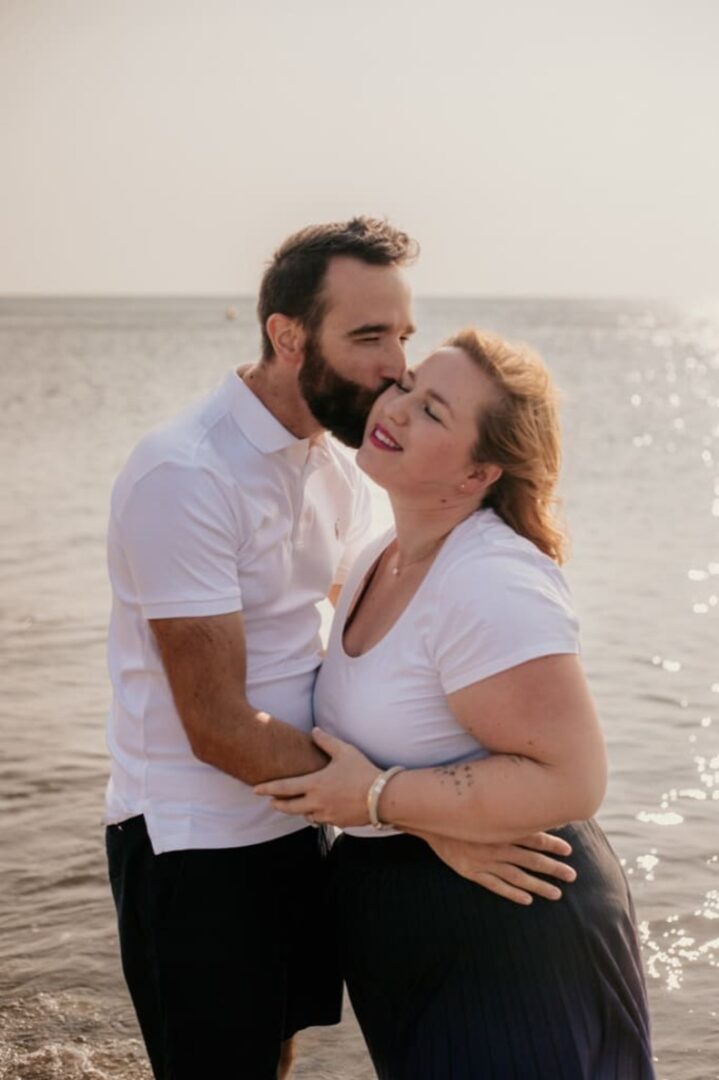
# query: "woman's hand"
[[336, 794], [508, 869]]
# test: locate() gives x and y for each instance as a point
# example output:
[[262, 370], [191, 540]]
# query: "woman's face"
[[422, 429]]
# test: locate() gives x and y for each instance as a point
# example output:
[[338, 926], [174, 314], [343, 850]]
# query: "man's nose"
[[394, 362]]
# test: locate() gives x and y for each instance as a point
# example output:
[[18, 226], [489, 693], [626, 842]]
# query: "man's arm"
[[206, 663], [509, 869]]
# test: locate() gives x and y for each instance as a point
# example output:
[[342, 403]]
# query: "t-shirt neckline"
[[385, 540]]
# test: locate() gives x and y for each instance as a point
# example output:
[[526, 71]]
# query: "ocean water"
[[80, 381]]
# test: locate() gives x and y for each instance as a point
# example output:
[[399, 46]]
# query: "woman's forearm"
[[492, 800]]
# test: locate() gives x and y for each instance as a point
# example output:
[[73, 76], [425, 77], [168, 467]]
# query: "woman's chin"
[[367, 461]]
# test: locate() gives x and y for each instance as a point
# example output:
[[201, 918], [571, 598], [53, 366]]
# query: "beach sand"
[[336, 1053], [70, 1036]]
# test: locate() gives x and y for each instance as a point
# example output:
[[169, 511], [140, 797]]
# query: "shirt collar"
[[257, 423]]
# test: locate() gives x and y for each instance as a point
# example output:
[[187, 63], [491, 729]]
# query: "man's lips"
[[382, 439]]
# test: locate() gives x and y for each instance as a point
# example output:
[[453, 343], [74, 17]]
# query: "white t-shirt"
[[220, 510], [491, 600]]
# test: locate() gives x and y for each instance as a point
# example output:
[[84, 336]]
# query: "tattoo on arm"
[[458, 776], [461, 776]]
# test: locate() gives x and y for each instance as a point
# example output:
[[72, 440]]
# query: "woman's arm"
[[547, 764]]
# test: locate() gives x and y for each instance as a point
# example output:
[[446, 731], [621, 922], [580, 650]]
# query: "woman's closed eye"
[[405, 389]]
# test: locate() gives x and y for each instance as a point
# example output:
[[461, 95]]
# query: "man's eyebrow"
[[376, 328], [369, 328]]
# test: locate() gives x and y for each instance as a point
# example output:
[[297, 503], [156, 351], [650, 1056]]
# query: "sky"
[[533, 147]]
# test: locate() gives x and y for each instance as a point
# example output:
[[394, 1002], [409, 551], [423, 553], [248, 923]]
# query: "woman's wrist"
[[374, 794]]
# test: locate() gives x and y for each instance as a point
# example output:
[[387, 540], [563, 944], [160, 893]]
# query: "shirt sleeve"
[[497, 611], [180, 538], [358, 533]]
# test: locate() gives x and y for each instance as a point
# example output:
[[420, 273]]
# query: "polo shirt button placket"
[[307, 518], [316, 457]]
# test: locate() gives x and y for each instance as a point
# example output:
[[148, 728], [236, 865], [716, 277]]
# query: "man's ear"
[[287, 337]]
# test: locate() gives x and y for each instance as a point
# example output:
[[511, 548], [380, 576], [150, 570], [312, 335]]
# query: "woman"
[[452, 666]]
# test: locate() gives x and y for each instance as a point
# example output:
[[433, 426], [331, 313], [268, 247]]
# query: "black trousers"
[[225, 952]]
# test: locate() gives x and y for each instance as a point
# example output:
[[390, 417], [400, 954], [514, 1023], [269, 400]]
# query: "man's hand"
[[335, 795], [508, 869]]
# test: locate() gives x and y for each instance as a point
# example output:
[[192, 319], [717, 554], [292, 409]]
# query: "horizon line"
[[230, 297]]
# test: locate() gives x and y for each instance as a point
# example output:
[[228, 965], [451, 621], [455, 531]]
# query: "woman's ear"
[[482, 476], [287, 337]]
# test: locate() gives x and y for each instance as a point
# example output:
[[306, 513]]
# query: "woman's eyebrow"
[[442, 401], [434, 394]]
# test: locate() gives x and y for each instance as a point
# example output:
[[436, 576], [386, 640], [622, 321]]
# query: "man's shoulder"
[[205, 433], [191, 441]]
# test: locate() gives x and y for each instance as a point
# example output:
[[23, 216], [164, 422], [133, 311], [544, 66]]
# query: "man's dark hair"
[[292, 283]]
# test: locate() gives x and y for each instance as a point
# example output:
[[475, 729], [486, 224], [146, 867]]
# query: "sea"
[[82, 380]]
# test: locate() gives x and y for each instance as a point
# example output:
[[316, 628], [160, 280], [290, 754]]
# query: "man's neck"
[[280, 395]]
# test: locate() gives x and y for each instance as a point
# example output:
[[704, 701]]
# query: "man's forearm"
[[205, 663], [254, 746]]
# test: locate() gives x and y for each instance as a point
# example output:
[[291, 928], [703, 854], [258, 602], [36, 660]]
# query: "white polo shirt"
[[220, 510]]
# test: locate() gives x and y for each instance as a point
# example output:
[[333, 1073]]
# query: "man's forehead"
[[350, 283]]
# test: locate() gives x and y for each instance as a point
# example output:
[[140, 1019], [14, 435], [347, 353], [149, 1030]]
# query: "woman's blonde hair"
[[520, 433]]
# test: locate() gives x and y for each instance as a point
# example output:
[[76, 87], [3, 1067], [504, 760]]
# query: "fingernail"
[[527, 900], [571, 874], [556, 894]]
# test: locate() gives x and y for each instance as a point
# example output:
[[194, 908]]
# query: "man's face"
[[360, 347]]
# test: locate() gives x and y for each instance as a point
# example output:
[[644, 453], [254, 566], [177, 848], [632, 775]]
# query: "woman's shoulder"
[[484, 535], [486, 554], [498, 602]]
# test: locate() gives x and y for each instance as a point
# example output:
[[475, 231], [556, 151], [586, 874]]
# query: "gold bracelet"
[[375, 790]]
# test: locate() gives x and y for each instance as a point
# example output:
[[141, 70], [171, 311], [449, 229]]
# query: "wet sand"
[[75, 1037]]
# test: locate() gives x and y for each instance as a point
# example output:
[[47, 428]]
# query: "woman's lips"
[[382, 439]]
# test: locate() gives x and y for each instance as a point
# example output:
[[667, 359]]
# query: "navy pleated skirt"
[[451, 982]]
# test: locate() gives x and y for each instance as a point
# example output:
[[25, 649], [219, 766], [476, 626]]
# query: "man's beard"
[[338, 404]]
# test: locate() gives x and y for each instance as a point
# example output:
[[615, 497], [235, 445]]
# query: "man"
[[228, 526]]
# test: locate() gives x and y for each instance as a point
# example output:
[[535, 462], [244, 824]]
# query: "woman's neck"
[[419, 527]]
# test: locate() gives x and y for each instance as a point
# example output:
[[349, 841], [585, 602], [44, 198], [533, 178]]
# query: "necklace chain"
[[397, 569]]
